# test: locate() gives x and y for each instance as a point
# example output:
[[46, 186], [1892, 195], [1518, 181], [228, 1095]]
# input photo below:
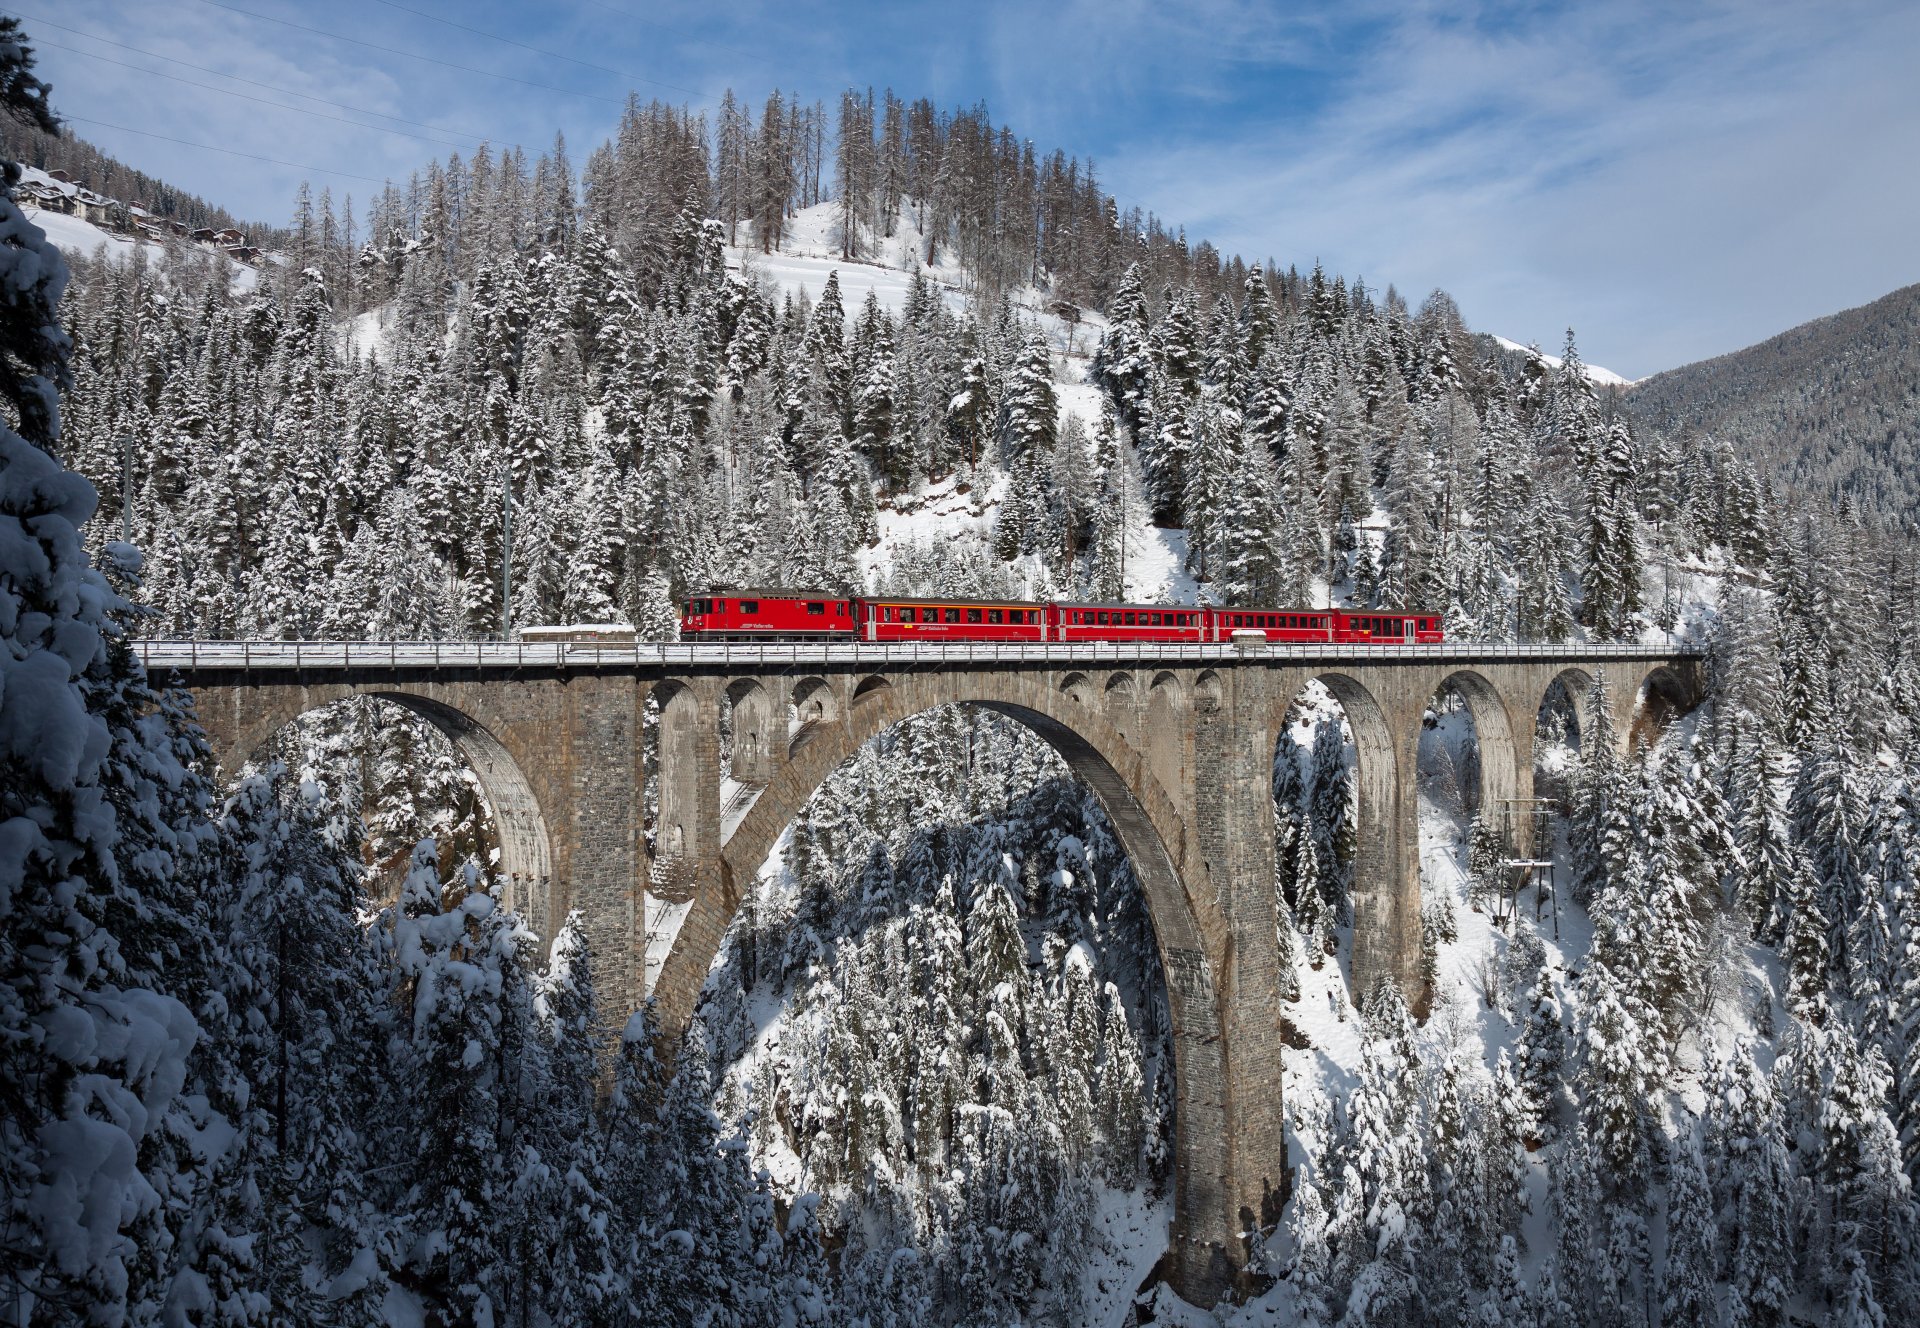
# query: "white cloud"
[[1673, 187]]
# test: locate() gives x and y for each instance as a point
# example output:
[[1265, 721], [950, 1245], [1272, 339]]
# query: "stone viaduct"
[[647, 787]]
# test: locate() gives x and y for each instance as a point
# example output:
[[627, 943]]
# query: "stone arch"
[[1208, 693], [526, 866], [684, 727], [1577, 684], [1169, 734], [751, 712], [1121, 701], [1495, 733], [811, 703], [1567, 692], [1662, 697], [1078, 688], [1142, 813], [1386, 895], [1188, 925], [869, 686]]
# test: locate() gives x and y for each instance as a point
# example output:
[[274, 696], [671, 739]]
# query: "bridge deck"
[[748, 657]]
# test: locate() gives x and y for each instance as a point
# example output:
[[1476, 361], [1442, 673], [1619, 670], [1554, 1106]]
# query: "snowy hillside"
[[810, 252], [1595, 374], [77, 237]]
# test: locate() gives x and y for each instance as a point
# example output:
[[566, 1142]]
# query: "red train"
[[787, 615]]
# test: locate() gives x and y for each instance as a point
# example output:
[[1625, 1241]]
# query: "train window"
[[816, 607], [994, 616], [950, 615], [1129, 622], [973, 615], [1106, 620], [749, 606]]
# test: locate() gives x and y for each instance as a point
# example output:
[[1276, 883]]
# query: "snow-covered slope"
[[1595, 374], [810, 253], [77, 238]]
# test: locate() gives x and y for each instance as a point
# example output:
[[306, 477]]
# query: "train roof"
[[1117, 604], [1009, 603], [763, 592]]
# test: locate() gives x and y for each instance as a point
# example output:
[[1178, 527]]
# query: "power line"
[[551, 55], [231, 152], [255, 83], [412, 55], [246, 96]]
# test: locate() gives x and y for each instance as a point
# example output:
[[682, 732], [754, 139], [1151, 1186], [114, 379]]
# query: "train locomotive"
[[799, 615]]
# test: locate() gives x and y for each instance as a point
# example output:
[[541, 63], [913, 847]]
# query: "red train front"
[[778, 615]]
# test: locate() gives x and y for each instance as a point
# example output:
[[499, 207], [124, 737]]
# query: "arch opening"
[[1660, 699], [673, 779], [409, 766], [972, 934], [1473, 817], [1560, 726], [810, 705], [1209, 1222], [1334, 773], [746, 733]]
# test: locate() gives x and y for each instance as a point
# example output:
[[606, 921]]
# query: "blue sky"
[[1674, 181]]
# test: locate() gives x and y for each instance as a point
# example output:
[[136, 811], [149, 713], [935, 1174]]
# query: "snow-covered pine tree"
[[1687, 1296], [1538, 1057]]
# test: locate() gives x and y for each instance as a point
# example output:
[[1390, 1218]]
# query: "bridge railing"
[[225, 656]]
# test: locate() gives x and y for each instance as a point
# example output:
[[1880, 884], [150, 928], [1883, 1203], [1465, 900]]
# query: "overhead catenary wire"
[[248, 96], [537, 50], [413, 55], [254, 83], [231, 152]]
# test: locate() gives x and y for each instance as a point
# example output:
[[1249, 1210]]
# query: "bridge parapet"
[[199, 657]]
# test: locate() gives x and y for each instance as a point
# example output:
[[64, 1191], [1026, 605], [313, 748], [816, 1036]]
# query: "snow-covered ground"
[[810, 253], [1595, 374], [82, 239]]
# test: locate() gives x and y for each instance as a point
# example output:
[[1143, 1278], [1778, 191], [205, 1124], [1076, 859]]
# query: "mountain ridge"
[[1833, 403]]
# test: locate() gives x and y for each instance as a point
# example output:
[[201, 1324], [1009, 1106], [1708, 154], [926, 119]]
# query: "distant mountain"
[[1833, 406]]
